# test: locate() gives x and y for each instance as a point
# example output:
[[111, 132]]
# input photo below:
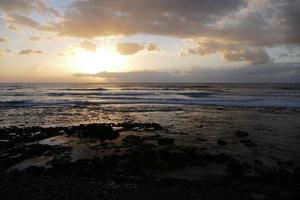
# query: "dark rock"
[[201, 139], [258, 163], [132, 139], [165, 141], [222, 142], [150, 137], [100, 131], [241, 134], [285, 163], [139, 126], [35, 170], [4, 144], [257, 196], [248, 143]]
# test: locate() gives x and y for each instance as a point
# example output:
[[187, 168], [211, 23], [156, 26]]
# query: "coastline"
[[130, 142], [133, 161]]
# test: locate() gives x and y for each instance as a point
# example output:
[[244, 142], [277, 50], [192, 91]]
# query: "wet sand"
[[218, 153]]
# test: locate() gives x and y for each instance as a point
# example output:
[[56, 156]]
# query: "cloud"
[[266, 73], [88, 46], [255, 22], [4, 51], [14, 20], [2, 40], [251, 55], [282, 55], [26, 6], [30, 52], [254, 25], [34, 38], [262, 23], [22, 20], [16, 12], [152, 47], [231, 51], [129, 48], [93, 18], [133, 48]]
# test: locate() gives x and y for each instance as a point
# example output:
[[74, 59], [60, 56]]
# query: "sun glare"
[[92, 62]]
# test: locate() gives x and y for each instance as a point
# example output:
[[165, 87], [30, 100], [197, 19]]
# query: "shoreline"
[[137, 161]]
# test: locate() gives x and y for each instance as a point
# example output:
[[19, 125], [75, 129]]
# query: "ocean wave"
[[17, 103], [158, 101], [196, 94], [99, 94], [166, 94], [84, 89]]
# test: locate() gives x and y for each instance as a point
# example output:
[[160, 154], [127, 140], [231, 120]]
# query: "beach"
[[150, 141]]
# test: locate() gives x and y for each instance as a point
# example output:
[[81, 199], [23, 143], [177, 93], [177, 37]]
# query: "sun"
[[103, 59]]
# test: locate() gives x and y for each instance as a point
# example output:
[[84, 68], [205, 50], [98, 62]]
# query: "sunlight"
[[103, 59]]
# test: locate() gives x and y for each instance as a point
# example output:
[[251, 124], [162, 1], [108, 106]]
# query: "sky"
[[149, 41]]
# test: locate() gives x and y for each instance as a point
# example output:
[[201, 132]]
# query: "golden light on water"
[[103, 59]]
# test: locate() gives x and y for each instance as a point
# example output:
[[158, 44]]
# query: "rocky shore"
[[132, 161]]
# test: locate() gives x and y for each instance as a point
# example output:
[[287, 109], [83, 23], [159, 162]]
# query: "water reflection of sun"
[[103, 59]]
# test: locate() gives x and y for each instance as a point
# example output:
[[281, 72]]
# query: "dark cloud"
[[263, 23], [290, 16], [92, 18], [30, 52], [253, 22], [230, 51], [26, 6], [88, 46], [267, 73]]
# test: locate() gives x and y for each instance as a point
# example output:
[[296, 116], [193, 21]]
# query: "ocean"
[[53, 104]]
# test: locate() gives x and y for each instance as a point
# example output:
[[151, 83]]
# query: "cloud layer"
[[238, 29], [26, 6], [266, 73], [93, 18], [257, 22]]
